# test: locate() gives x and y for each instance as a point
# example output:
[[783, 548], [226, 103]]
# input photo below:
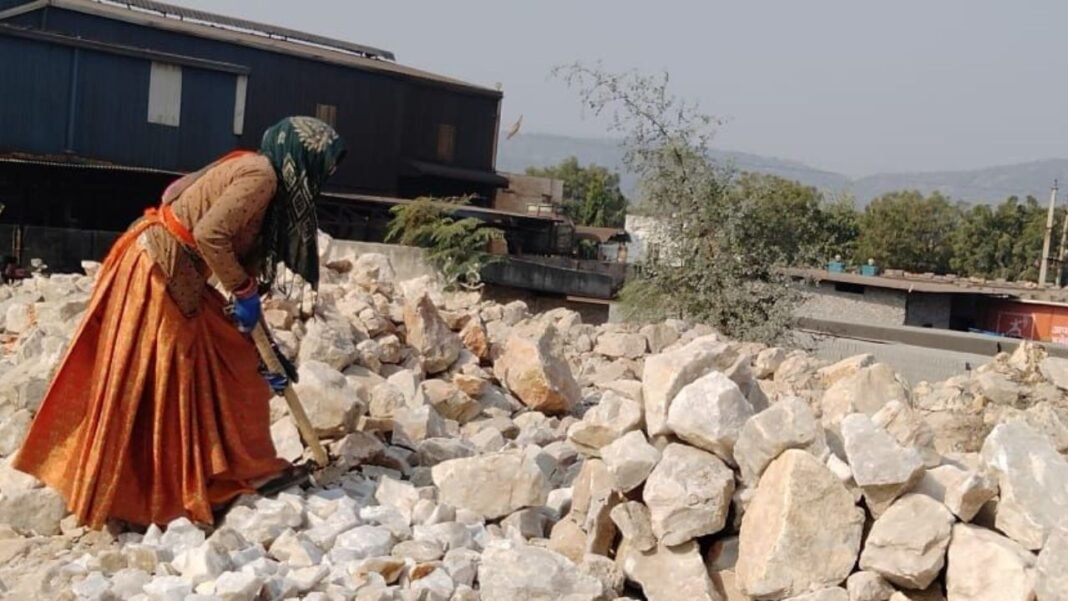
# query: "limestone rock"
[[516, 571], [827, 594], [531, 368], [635, 524], [1051, 581], [329, 340], [788, 424], [610, 419], [630, 460], [845, 368], [374, 273], [767, 362], [474, 338], [287, 441], [907, 545], [709, 414], [493, 485], [331, 403], [985, 566], [659, 336], [964, 492], [1055, 369], [412, 426], [668, 573], [868, 586], [799, 506], [13, 430], [429, 335], [866, 391], [669, 372], [449, 401], [620, 344], [880, 466], [909, 429], [37, 510], [688, 494], [1033, 479]]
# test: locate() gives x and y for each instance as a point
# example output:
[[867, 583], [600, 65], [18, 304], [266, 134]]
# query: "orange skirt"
[[152, 415]]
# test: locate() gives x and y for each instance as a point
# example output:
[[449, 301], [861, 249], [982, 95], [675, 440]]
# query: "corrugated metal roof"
[[188, 14], [390, 201], [120, 12], [937, 284]]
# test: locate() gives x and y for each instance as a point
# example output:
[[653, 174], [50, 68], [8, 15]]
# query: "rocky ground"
[[482, 452]]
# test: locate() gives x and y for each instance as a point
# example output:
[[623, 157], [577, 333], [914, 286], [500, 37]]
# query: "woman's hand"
[[247, 308]]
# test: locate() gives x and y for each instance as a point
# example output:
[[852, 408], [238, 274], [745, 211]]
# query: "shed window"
[[165, 95], [327, 113], [240, 95], [446, 142]]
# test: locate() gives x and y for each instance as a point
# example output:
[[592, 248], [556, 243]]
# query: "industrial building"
[[105, 102], [892, 299]]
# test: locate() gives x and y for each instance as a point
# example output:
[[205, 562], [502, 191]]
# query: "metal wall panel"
[[385, 119], [34, 93]]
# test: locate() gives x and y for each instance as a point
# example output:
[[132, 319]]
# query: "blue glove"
[[277, 382], [247, 312]]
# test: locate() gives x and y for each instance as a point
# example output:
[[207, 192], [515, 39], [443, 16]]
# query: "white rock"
[[168, 588], [635, 524], [429, 335], [94, 586], [827, 594], [362, 542], [709, 414], [799, 506], [865, 391], [630, 460], [868, 586], [295, 549], [907, 545], [610, 419], [129, 582], [331, 403], [287, 441], [37, 510], [668, 573], [329, 341], [435, 586], [1033, 479], [620, 344], [788, 424], [13, 430], [880, 466], [202, 563], [494, 485], [533, 369], [688, 494], [511, 570], [964, 492], [1051, 582], [462, 566], [985, 566], [238, 586], [664, 375]]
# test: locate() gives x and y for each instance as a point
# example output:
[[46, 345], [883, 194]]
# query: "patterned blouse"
[[223, 207]]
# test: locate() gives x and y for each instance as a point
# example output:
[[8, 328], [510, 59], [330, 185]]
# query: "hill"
[[986, 185]]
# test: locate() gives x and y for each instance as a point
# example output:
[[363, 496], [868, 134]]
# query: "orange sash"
[[166, 214]]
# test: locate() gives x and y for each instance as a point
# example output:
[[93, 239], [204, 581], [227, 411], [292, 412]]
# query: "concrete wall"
[[928, 310], [408, 262], [873, 306]]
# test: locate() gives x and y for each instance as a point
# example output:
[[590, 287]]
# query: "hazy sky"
[[844, 85]]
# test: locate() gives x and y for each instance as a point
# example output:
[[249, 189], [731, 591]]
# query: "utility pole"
[[1043, 269], [1064, 251]]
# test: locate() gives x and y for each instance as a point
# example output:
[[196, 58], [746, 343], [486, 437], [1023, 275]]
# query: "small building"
[[1015, 310]]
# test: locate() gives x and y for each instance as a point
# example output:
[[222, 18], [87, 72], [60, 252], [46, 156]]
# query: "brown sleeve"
[[244, 201]]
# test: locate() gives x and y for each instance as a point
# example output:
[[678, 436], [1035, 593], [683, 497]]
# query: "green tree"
[[457, 248], [905, 230], [1004, 241], [793, 222], [591, 193], [704, 265]]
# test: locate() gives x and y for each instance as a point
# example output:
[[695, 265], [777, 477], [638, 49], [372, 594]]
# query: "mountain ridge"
[[984, 185]]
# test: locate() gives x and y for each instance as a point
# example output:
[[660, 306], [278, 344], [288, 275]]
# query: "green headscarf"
[[304, 151]]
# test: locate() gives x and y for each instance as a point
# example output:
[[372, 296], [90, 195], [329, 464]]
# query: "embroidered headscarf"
[[304, 151]]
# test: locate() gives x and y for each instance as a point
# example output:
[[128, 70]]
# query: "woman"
[[158, 410]]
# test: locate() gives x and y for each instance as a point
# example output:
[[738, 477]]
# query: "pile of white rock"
[[482, 452]]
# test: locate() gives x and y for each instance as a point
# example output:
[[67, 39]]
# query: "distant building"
[[104, 102], [1000, 308]]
